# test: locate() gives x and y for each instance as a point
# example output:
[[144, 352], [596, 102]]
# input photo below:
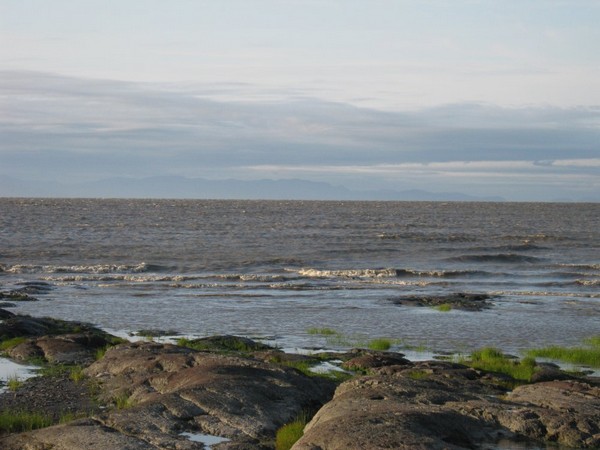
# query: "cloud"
[[55, 127]]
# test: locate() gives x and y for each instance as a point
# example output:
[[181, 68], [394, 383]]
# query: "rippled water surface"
[[277, 269]]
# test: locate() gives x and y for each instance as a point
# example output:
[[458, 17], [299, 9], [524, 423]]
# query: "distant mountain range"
[[199, 188]]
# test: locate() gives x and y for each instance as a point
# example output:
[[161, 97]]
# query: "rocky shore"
[[101, 392]]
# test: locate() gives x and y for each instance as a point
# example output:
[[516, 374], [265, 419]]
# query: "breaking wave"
[[387, 273], [94, 268], [588, 282]]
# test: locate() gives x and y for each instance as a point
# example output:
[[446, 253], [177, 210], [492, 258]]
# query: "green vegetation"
[[222, 344], [306, 365], [7, 344], [303, 366], [414, 348], [112, 341], [337, 376], [336, 339], [444, 307], [593, 341], [493, 360], [13, 383], [101, 352], [322, 331], [12, 421], [588, 355], [416, 374], [17, 421], [53, 370], [380, 344], [122, 401], [76, 374], [290, 433]]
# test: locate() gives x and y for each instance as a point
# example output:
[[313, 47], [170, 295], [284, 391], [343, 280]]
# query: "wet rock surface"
[[362, 360], [52, 340], [460, 300], [78, 348]]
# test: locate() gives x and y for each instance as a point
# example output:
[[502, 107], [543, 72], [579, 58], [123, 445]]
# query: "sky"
[[482, 97]]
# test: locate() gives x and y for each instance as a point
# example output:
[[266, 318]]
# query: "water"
[[12, 370], [207, 439], [275, 269]]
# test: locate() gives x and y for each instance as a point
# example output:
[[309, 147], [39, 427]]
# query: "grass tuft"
[[76, 374], [493, 360], [18, 421], [290, 433], [53, 370], [379, 344], [306, 365], [322, 331], [101, 352], [302, 366], [417, 374], [13, 383], [588, 355], [221, 344], [444, 307], [123, 401]]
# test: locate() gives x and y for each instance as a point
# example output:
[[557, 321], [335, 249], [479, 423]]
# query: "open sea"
[[275, 269]]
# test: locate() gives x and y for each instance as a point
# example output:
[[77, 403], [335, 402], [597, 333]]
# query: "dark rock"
[[27, 326], [243, 399], [34, 287], [366, 360], [25, 351], [226, 343], [156, 333], [17, 296], [546, 373], [396, 409], [5, 314], [63, 349], [280, 357], [56, 341], [437, 405], [464, 301], [174, 389]]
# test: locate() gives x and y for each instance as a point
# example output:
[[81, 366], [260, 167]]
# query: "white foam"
[[348, 273], [588, 282], [96, 268]]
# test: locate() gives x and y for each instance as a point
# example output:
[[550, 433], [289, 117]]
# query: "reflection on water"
[[10, 370]]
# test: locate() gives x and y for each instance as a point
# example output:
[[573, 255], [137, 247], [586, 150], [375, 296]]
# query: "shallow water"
[[207, 439], [12, 370], [275, 269]]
